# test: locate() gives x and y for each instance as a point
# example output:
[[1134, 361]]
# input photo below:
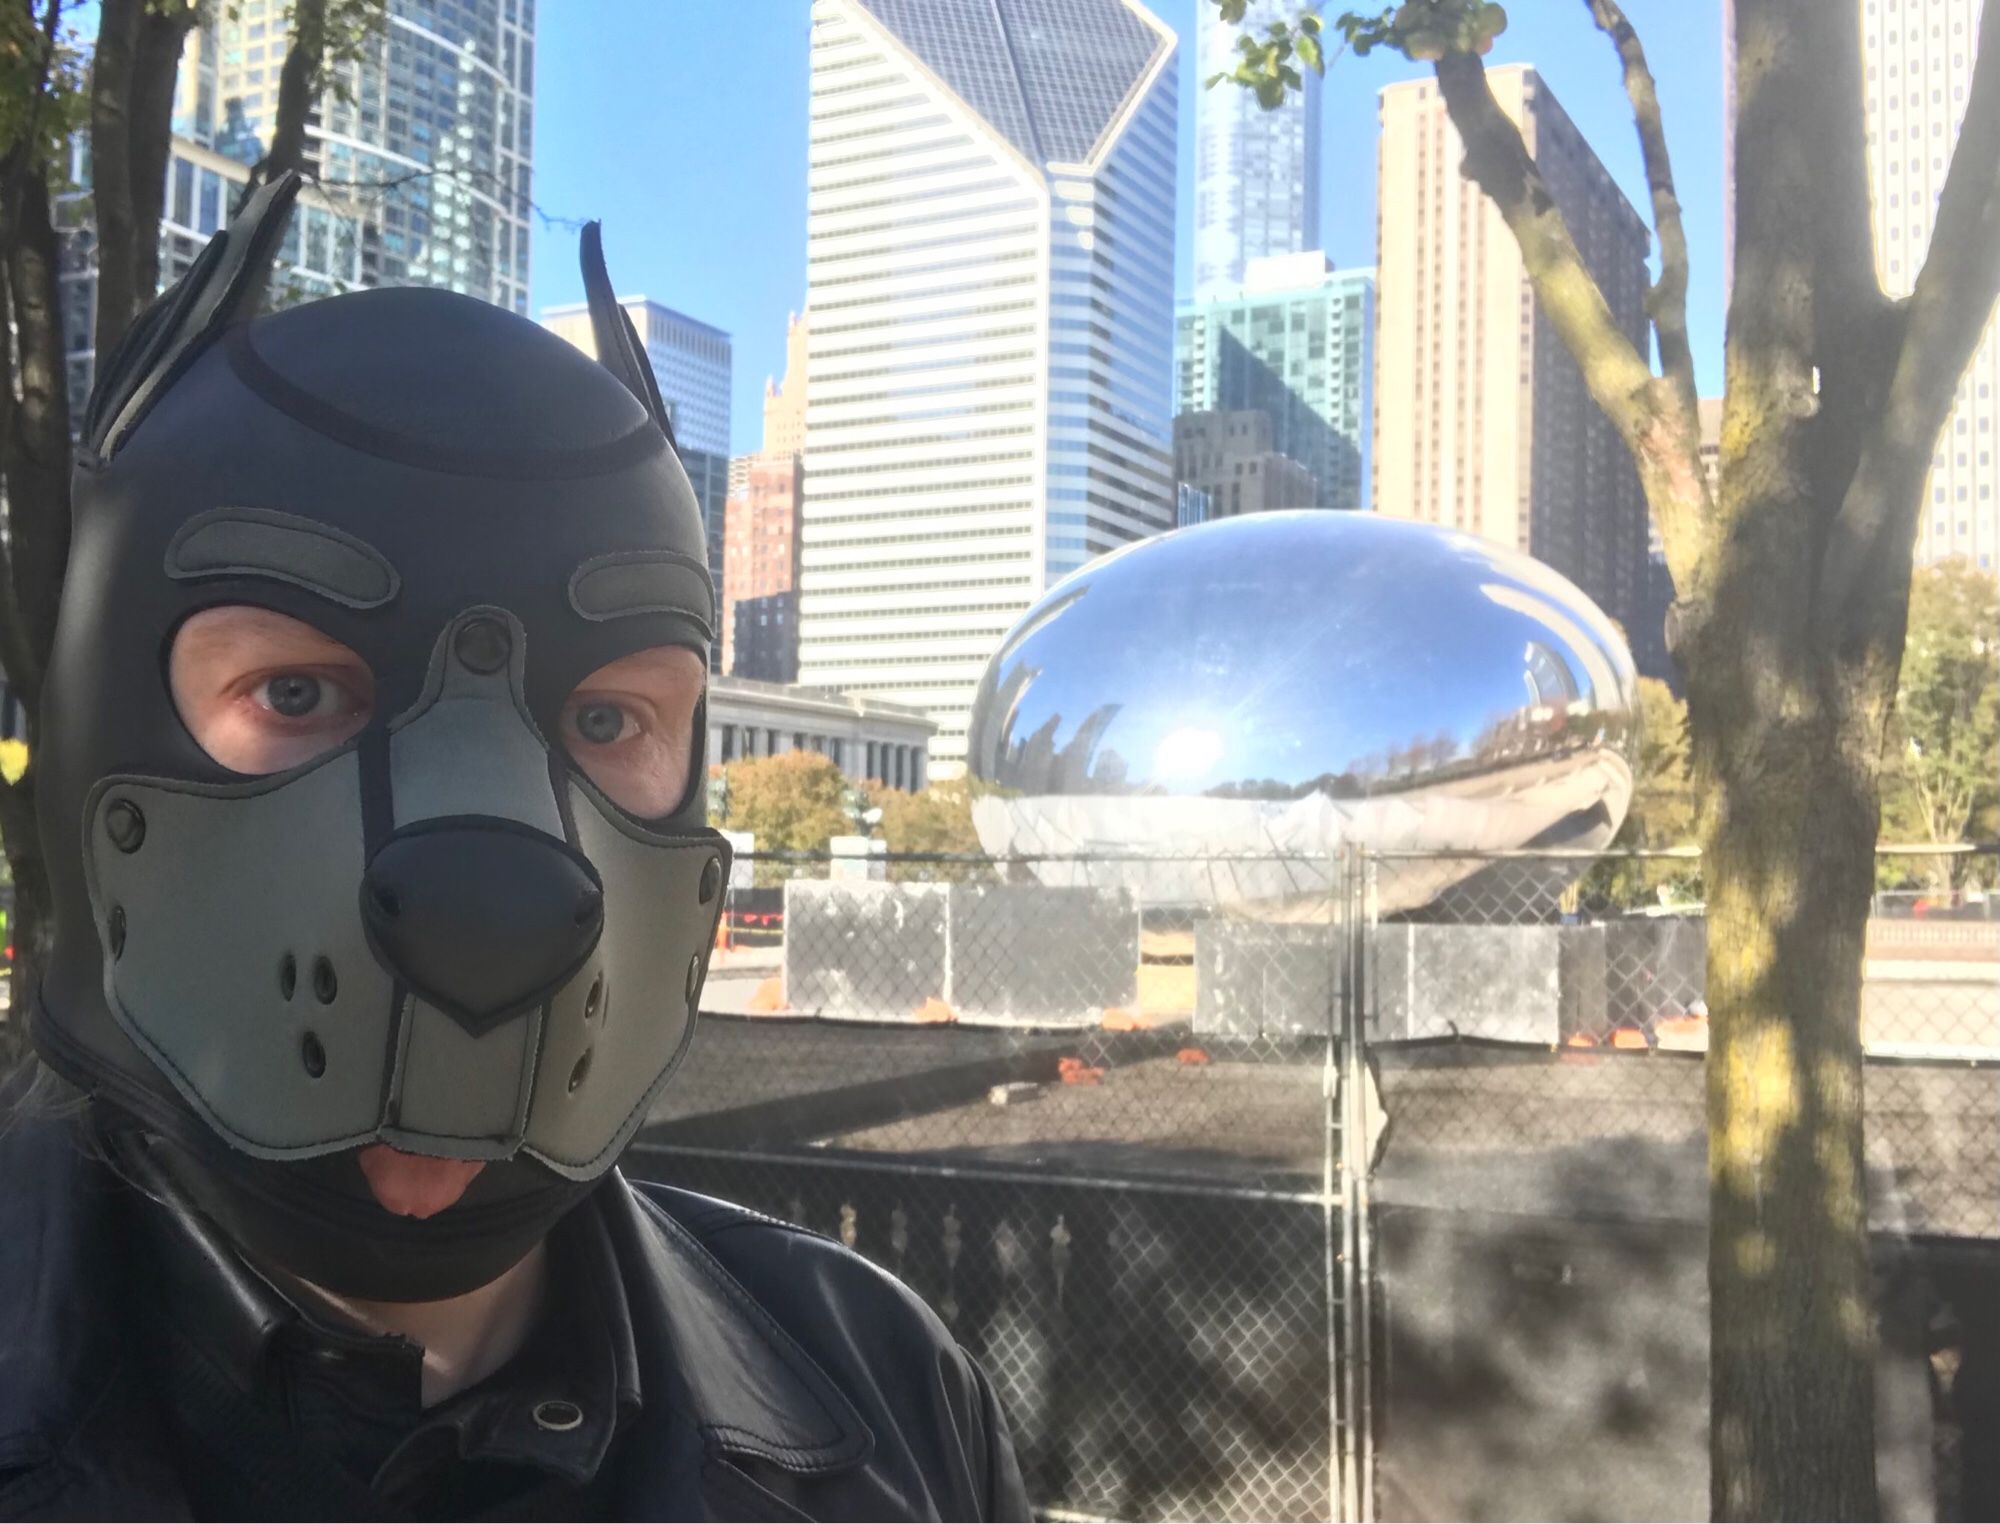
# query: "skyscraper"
[[1482, 420], [760, 577], [1917, 58], [990, 239], [1293, 342], [785, 401], [692, 362], [1256, 173], [437, 111]]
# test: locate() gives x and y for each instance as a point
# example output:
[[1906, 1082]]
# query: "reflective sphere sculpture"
[[1280, 684]]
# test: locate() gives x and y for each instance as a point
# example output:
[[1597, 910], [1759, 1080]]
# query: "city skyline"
[[748, 178]]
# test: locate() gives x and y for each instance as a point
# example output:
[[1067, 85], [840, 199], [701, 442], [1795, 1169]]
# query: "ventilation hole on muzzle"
[[580, 1071], [325, 985], [694, 977], [117, 931], [594, 1001], [288, 976], [312, 1054]]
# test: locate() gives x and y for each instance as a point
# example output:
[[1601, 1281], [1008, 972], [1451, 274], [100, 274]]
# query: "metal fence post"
[[1355, 1164], [1343, 1501]]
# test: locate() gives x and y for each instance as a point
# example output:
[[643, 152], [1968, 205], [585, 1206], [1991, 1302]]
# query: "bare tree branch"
[[1666, 302], [1657, 424], [1870, 547]]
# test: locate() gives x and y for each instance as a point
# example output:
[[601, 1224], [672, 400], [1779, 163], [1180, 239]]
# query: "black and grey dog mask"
[[439, 936]]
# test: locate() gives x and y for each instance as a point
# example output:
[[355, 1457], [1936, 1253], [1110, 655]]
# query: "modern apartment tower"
[[990, 365], [1293, 342], [1256, 173], [439, 107], [1482, 421], [1917, 58]]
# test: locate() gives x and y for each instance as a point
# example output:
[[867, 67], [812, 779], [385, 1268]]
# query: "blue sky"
[[682, 123]]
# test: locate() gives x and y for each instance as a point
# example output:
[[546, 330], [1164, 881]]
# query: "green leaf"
[[1233, 10], [1310, 24], [1310, 54], [1270, 94]]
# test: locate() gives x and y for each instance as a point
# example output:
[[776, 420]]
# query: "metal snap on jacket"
[[558, 1416]]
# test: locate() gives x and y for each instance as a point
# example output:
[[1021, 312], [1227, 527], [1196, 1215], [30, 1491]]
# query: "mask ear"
[[618, 348], [170, 335]]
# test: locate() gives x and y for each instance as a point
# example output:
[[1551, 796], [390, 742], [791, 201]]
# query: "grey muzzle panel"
[[600, 1073], [227, 884], [468, 746], [460, 1095]]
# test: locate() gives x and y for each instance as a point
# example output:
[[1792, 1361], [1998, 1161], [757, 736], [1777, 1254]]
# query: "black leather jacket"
[[785, 1377]]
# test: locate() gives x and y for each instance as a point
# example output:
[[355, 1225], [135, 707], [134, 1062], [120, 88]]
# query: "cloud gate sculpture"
[[1213, 714]]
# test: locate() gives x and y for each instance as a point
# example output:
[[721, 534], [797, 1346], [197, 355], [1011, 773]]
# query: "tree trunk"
[[34, 465], [112, 170], [162, 35], [298, 88], [1789, 873]]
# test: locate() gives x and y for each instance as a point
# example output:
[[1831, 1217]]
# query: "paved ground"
[[1596, 1133]]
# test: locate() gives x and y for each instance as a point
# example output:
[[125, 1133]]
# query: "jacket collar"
[[734, 1373]]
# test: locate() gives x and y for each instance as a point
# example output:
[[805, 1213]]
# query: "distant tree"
[[1793, 589], [935, 820], [1943, 779], [793, 802], [1662, 813]]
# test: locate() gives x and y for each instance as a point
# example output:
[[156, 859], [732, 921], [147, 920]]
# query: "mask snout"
[[481, 918]]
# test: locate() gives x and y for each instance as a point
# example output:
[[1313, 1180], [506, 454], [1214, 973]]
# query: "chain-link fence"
[[1540, 1211], [1223, 1263], [1092, 1124]]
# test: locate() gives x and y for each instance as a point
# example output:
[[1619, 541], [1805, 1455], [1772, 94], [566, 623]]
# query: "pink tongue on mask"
[[415, 1185]]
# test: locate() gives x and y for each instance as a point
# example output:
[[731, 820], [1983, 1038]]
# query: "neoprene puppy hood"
[[440, 935]]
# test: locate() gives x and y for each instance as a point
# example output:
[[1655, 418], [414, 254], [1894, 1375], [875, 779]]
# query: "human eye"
[[599, 722], [302, 697]]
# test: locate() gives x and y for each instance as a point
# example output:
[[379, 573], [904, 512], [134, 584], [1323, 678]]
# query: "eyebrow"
[[261, 542]]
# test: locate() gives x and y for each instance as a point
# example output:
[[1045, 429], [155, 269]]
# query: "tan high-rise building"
[[760, 559], [1482, 421], [785, 401]]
